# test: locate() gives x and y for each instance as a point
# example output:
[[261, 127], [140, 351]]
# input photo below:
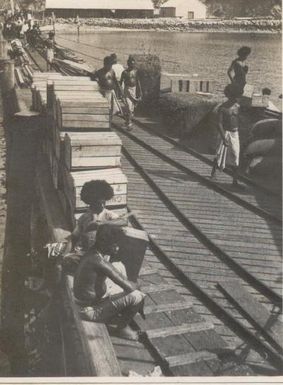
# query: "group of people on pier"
[[20, 25], [94, 244], [117, 83]]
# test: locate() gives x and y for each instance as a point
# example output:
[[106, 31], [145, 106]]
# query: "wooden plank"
[[84, 117], [148, 270], [255, 312], [167, 307], [80, 125], [93, 162], [83, 151], [189, 358], [73, 87], [198, 369], [153, 288], [180, 329], [86, 110]]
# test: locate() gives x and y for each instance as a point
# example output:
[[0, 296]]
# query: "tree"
[[158, 3]]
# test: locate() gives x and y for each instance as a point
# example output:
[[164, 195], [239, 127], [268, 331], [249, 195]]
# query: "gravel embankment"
[[172, 24]]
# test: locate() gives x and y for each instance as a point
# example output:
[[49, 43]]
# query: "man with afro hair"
[[94, 193]]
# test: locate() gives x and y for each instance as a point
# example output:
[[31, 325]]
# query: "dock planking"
[[171, 325], [267, 323]]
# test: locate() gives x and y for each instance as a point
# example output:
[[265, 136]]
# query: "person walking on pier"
[[238, 69], [96, 302], [131, 90], [107, 81], [228, 127], [50, 45]]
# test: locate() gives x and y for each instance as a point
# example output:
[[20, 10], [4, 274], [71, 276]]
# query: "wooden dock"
[[212, 270]]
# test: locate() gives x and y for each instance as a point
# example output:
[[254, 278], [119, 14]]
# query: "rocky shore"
[[177, 25]]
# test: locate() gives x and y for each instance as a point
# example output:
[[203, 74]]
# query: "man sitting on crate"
[[68, 253], [97, 301]]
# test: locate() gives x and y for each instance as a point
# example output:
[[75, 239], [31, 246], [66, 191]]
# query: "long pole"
[[12, 6]]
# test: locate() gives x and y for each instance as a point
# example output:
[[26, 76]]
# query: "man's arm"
[[109, 271], [220, 126], [139, 89], [230, 71]]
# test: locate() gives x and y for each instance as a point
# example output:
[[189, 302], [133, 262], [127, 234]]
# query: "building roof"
[[99, 4], [175, 3]]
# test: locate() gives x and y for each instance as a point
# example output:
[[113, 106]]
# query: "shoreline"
[[166, 25]]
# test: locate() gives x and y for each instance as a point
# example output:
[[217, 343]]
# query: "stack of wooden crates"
[[79, 143]]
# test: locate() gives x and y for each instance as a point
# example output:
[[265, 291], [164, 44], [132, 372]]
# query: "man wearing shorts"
[[96, 302]]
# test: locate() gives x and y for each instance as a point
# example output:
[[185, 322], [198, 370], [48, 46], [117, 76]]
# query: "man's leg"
[[235, 153], [214, 168], [122, 307]]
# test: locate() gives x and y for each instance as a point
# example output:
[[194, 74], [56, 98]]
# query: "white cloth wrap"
[[231, 153], [50, 55], [130, 95], [114, 104]]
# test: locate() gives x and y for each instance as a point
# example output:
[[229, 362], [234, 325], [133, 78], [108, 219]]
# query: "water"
[[208, 54]]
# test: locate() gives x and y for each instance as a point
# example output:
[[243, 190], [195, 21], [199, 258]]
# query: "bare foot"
[[126, 333]]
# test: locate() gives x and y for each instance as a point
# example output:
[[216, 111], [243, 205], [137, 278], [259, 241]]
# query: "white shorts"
[[50, 55], [231, 153]]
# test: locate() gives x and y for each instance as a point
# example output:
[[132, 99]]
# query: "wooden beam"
[[179, 329], [255, 312], [190, 358], [165, 307]]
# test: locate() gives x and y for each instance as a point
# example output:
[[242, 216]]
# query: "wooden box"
[[132, 250], [82, 114], [90, 150]]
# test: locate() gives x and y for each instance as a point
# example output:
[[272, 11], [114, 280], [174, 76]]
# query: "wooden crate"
[[83, 114], [74, 181], [84, 107], [91, 150], [132, 250]]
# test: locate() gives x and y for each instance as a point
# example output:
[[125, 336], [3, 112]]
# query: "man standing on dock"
[[50, 45], [131, 89], [228, 127]]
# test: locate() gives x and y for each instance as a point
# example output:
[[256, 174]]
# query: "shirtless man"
[[228, 127], [131, 89], [107, 82], [90, 290]]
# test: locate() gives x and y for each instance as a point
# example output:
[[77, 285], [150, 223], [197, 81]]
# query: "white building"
[[100, 8], [189, 9]]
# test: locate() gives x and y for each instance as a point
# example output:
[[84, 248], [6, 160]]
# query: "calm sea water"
[[207, 54]]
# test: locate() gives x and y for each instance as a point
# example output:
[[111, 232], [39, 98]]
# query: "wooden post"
[[8, 76]]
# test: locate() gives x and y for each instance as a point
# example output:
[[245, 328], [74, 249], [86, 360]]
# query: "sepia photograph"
[[141, 191]]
